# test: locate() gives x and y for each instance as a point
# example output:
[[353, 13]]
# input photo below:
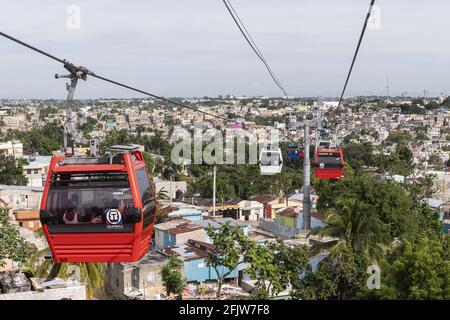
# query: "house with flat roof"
[[195, 269], [28, 219], [271, 204], [177, 231], [191, 214], [21, 197], [243, 210], [141, 279], [293, 217], [217, 223]]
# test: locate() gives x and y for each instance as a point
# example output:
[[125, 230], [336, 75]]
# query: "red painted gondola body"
[[85, 241], [329, 163]]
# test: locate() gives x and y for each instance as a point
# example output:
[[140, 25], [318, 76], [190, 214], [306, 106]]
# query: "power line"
[[252, 43], [357, 50], [72, 68]]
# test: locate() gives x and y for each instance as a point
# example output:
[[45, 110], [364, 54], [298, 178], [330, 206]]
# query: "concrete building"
[[15, 121], [35, 173], [21, 197], [243, 210], [293, 217], [20, 288], [140, 280], [14, 148], [176, 232], [191, 214], [217, 223], [171, 187], [28, 219], [272, 204]]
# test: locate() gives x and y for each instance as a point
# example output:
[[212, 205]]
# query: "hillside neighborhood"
[[369, 129]]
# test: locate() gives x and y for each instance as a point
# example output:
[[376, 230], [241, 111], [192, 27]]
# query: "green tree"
[[418, 271], [171, 276], [353, 224], [12, 245], [224, 189], [390, 201], [139, 129], [315, 286], [421, 136], [229, 248], [399, 137], [11, 171], [88, 126], [341, 276], [404, 154], [358, 155], [43, 139], [275, 265]]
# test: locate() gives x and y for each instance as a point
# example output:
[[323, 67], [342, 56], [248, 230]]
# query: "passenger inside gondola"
[[84, 198], [329, 161], [71, 216], [270, 159], [96, 216]]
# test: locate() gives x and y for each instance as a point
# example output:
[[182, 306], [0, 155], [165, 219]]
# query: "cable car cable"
[[72, 68], [252, 44], [256, 48], [357, 50]]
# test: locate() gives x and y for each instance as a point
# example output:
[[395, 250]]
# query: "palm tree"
[[163, 194], [353, 224], [92, 274]]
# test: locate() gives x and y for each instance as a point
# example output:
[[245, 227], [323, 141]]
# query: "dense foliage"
[[11, 170], [12, 245]]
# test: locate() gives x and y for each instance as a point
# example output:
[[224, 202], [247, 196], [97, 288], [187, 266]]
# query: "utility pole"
[[306, 185], [387, 87], [318, 128], [214, 191], [170, 191]]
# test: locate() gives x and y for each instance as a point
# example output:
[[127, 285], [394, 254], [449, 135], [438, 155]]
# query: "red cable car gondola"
[[329, 163], [98, 209]]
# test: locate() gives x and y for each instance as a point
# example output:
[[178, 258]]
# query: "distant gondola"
[[295, 151], [329, 163], [270, 161]]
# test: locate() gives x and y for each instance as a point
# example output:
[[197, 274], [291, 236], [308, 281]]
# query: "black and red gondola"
[[98, 209], [329, 163]]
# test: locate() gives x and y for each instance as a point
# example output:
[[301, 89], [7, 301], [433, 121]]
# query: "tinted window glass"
[[81, 199], [270, 159], [147, 196], [329, 161]]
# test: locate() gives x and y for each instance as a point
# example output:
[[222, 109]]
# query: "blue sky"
[[193, 48]]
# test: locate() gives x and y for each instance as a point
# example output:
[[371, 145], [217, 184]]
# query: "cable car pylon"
[[306, 223]]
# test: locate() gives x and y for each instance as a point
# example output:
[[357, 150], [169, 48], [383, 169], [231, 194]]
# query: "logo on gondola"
[[113, 216]]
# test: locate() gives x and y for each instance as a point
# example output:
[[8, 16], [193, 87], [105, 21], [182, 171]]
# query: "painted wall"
[[447, 228], [197, 270], [163, 239], [286, 221]]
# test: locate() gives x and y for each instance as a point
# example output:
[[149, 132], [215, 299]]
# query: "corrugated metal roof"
[[178, 226]]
